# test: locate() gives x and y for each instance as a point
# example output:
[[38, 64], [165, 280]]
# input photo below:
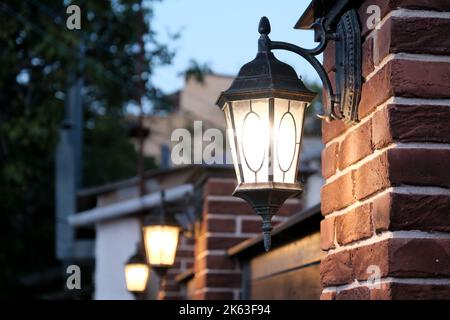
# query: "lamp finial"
[[264, 26]]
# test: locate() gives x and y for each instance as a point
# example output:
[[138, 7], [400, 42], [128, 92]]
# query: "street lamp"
[[137, 273], [264, 111], [161, 239]]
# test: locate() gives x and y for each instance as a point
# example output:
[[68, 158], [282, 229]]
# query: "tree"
[[38, 54], [196, 70]]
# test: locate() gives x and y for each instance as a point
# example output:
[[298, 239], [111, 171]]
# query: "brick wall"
[[386, 200], [226, 221], [184, 260]]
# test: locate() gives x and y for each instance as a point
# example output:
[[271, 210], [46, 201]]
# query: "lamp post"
[[137, 273], [161, 239], [264, 111]]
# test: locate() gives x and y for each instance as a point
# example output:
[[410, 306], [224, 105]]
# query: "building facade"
[[381, 230]]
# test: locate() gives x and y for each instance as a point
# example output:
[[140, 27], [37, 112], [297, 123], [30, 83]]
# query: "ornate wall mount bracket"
[[346, 34]]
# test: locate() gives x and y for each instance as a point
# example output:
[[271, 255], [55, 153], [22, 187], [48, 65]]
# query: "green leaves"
[[34, 37]]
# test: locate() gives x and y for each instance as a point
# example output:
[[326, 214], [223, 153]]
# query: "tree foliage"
[[39, 57]]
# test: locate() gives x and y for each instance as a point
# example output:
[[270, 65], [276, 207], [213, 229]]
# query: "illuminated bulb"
[[161, 244], [136, 276]]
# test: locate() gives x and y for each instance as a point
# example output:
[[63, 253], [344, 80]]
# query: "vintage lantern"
[[161, 234], [137, 272], [264, 111]]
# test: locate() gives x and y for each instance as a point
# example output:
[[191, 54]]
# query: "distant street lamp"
[[264, 112], [161, 239], [137, 273]]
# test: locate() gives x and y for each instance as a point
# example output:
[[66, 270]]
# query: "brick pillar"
[[226, 221], [386, 200], [184, 260]]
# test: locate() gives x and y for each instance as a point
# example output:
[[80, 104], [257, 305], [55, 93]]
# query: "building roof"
[[152, 174], [322, 8], [127, 207], [178, 183]]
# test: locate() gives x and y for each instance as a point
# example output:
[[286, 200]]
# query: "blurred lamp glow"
[[137, 271], [136, 276], [161, 244]]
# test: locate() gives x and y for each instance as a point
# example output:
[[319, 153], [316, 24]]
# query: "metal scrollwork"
[[347, 36]]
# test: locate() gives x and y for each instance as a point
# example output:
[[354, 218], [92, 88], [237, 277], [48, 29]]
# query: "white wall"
[[312, 190], [115, 243]]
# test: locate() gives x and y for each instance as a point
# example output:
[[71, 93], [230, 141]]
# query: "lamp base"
[[139, 295], [160, 271], [266, 199]]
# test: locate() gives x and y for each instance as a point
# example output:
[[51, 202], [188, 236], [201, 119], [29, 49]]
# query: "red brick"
[[251, 226], [218, 280], [403, 291], [329, 160], [327, 233], [381, 211], [419, 258], [218, 243], [332, 129], [337, 194], [329, 295], [336, 269], [383, 42], [367, 57], [431, 80], [382, 292], [182, 253], [173, 287], [332, 77], [354, 225], [376, 90], [430, 167], [365, 16], [414, 35], [403, 166], [396, 211], [217, 262], [372, 177], [290, 208], [329, 56], [222, 187], [356, 145], [398, 257], [221, 225], [359, 293], [231, 206], [402, 78], [376, 254], [413, 123], [165, 297], [388, 5], [177, 264], [212, 295], [381, 129], [189, 241]]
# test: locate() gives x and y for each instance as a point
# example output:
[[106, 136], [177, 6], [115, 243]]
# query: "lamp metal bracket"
[[346, 34]]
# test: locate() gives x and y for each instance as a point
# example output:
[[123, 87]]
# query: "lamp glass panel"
[[252, 125], [161, 244], [136, 277], [232, 141], [287, 136]]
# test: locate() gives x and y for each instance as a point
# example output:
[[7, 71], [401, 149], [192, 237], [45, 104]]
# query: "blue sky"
[[223, 33]]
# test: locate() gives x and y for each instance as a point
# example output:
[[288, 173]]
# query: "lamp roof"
[[137, 258]]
